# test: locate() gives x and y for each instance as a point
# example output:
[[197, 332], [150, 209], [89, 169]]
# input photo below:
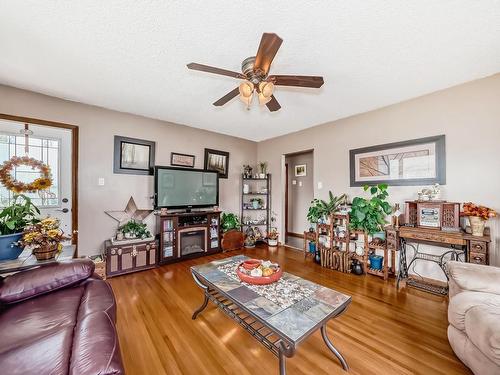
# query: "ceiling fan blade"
[[301, 81], [230, 95], [269, 45], [273, 104], [211, 69]]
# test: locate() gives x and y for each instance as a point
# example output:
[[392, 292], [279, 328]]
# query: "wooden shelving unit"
[[337, 254], [256, 184]]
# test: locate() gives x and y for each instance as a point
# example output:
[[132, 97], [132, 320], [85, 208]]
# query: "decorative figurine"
[[247, 171]]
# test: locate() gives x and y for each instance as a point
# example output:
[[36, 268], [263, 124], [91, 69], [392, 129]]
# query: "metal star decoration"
[[131, 212]]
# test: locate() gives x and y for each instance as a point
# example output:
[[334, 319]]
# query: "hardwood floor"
[[382, 332]]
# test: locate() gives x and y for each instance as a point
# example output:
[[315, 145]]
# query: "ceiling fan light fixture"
[[246, 89], [266, 88]]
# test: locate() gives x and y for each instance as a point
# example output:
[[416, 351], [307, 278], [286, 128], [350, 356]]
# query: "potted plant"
[[44, 238], [272, 238], [320, 209], [133, 229], [232, 237], [263, 169], [369, 215], [478, 215], [13, 219]]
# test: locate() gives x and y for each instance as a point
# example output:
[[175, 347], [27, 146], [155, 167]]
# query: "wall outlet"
[[320, 185], [100, 181], [294, 182]]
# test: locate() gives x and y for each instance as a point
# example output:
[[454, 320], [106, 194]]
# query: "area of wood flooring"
[[383, 331]]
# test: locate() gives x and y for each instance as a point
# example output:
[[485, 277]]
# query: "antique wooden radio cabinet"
[[440, 215]]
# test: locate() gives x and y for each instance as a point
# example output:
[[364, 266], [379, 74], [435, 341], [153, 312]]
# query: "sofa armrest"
[[475, 277], [34, 282]]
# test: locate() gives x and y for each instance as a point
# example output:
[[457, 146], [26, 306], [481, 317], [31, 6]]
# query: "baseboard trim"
[[296, 235]]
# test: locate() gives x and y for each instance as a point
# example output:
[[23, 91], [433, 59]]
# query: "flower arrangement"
[[273, 234], [477, 217], [41, 183], [471, 209], [44, 238]]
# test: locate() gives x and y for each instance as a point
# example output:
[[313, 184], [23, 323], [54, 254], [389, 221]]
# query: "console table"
[[462, 246], [279, 315]]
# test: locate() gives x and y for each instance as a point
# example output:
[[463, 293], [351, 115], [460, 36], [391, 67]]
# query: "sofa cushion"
[[462, 303], [34, 282], [25, 323], [482, 326], [469, 354], [98, 296], [95, 346]]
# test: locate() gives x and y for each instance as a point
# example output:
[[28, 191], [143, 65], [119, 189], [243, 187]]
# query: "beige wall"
[[97, 128], [469, 116], [300, 194]]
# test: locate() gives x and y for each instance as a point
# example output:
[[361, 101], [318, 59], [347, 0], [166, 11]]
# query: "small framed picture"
[[301, 170], [182, 160], [218, 161], [133, 156]]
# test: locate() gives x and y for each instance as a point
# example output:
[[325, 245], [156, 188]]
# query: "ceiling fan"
[[256, 78]]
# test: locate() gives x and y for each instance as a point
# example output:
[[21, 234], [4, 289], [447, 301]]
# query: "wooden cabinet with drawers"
[[130, 257]]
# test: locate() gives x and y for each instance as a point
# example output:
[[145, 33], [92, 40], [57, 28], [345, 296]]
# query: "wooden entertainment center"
[[188, 235]]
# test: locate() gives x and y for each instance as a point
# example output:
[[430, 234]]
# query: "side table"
[[27, 260]]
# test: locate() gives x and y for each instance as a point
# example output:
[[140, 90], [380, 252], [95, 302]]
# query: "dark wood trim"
[[74, 168], [286, 199], [296, 235]]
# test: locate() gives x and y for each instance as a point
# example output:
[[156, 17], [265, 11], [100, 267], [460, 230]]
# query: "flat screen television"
[[185, 188]]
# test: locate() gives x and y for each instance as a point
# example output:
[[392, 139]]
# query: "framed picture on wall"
[[301, 170], [415, 162], [218, 161], [133, 156], [181, 160]]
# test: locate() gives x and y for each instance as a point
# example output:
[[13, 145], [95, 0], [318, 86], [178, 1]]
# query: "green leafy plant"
[[369, 214], [135, 229], [321, 209], [229, 221], [18, 215]]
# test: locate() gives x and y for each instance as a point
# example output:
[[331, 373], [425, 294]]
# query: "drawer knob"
[[479, 247], [134, 251]]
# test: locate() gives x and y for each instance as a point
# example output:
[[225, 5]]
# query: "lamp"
[[246, 92], [265, 92]]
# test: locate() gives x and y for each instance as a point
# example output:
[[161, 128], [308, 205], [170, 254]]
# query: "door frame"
[[74, 164], [286, 201]]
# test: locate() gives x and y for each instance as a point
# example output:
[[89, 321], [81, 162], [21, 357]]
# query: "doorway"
[[299, 191], [56, 145]]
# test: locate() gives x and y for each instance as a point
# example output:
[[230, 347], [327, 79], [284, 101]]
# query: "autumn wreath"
[[41, 183]]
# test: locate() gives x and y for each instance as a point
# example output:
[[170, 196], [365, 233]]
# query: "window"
[[45, 149]]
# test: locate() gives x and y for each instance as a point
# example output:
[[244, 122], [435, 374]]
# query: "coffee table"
[[279, 315]]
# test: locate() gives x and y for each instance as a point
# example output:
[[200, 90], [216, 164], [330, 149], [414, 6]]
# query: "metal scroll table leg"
[[205, 301], [333, 349]]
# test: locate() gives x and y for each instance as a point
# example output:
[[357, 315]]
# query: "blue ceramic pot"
[[376, 262], [312, 247], [8, 249]]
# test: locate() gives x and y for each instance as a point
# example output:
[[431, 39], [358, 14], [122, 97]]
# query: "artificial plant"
[[229, 221], [369, 214], [138, 230], [19, 214]]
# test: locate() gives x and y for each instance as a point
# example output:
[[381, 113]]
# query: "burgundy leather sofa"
[[58, 319]]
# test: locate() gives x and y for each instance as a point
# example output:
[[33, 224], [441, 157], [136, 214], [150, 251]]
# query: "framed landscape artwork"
[[133, 156], [218, 161], [182, 160], [415, 162]]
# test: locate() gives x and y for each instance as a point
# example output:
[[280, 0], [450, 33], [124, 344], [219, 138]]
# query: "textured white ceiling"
[[131, 55]]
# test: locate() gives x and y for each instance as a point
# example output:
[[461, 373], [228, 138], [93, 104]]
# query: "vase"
[[46, 252], [477, 225], [272, 243], [356, 267], [8, 246]]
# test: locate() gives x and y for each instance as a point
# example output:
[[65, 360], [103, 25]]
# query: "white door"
[[51, 145]]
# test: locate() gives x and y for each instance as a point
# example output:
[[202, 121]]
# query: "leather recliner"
[[58, 319]]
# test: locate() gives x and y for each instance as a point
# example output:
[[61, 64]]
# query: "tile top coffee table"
[[279, 315]]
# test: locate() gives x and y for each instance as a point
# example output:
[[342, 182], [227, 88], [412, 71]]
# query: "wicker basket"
[[46, 253]]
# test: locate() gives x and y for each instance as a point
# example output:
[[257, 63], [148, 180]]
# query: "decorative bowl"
[[250, 264], [258, 280]]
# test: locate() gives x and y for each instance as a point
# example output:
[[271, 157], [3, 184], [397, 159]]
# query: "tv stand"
[[187, 235]]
